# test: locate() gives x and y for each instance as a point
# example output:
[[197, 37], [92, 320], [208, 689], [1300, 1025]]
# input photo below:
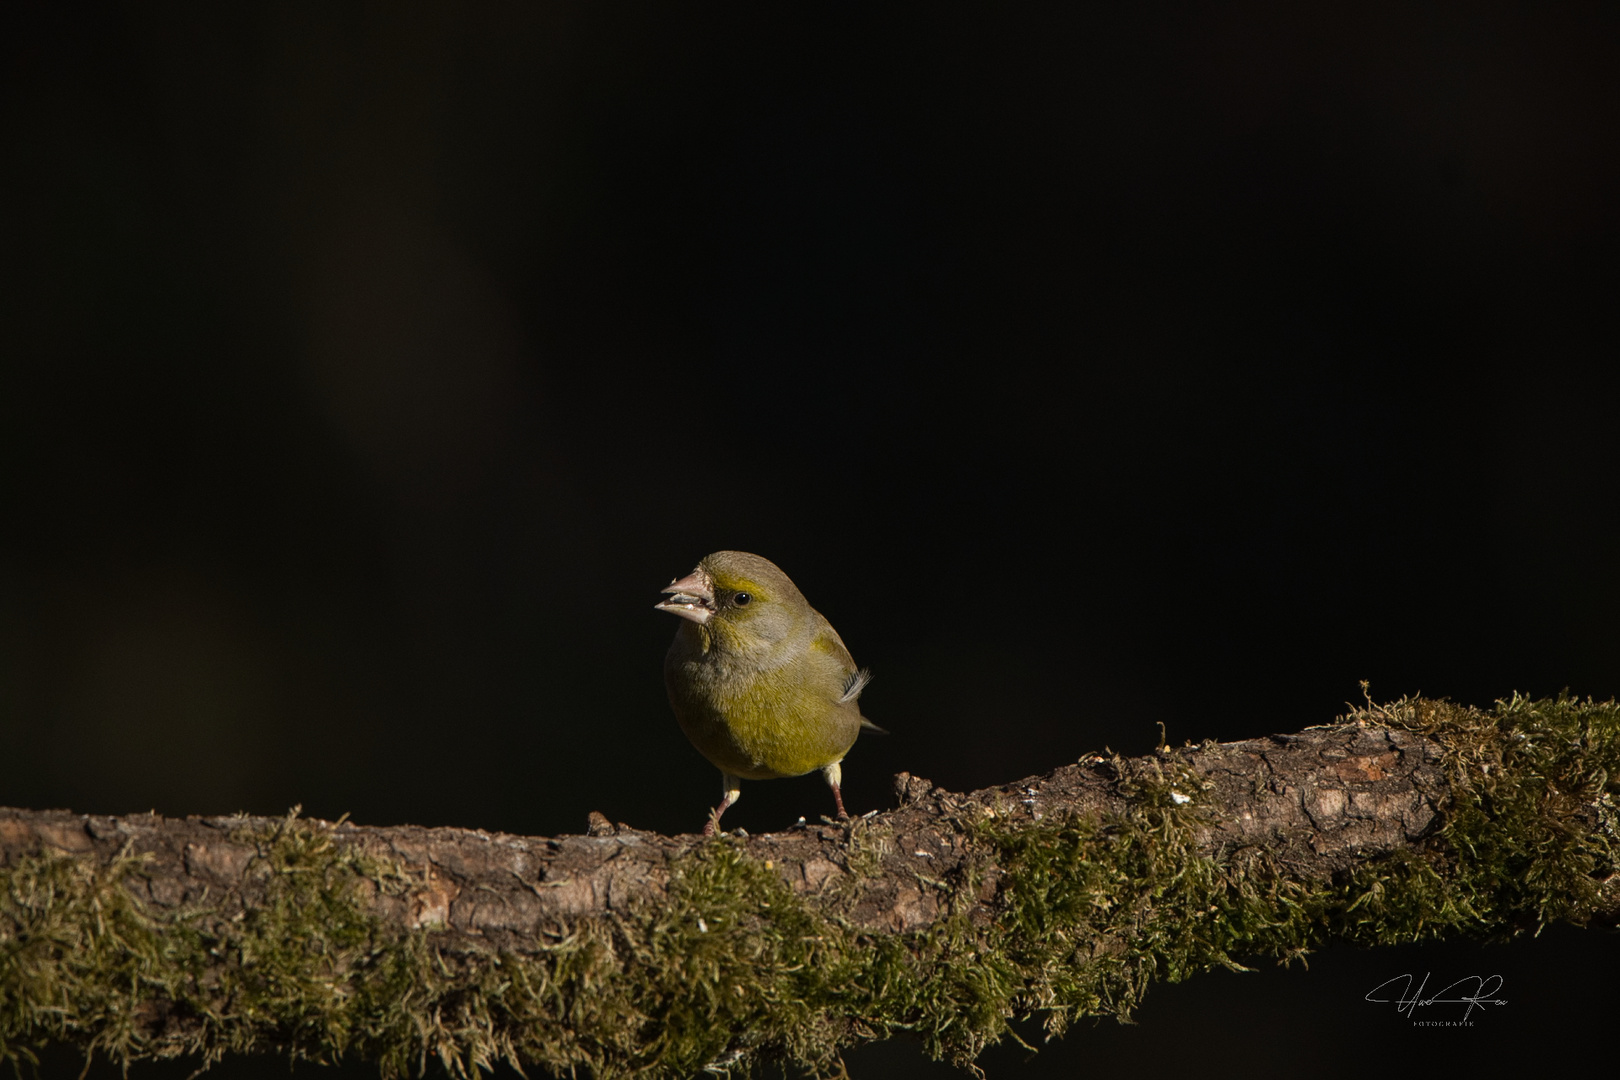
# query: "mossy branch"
[[624, 953]]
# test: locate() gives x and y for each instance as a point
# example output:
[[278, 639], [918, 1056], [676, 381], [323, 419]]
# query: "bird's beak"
[[691, 597]]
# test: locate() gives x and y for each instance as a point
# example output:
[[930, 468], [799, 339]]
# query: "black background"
[[368, 369]]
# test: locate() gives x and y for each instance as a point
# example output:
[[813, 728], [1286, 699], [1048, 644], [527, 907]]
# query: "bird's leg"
[[834, 776], [730, 792]]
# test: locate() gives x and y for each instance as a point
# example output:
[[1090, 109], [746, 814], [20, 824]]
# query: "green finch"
[[759, 680]]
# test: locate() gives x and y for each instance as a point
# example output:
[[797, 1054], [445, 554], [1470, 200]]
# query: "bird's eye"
[[741, 599]]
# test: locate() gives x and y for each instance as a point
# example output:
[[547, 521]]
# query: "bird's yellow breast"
[[761, 720]]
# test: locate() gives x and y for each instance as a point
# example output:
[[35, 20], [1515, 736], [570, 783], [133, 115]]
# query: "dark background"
[[367, 369]]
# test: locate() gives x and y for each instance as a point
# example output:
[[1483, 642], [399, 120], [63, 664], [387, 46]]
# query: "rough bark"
[[1320, 800], [1317, 809]]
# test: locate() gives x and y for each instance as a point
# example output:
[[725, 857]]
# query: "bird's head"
[[740, 599]]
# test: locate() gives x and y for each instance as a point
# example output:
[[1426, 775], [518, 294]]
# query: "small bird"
[[759, 680]]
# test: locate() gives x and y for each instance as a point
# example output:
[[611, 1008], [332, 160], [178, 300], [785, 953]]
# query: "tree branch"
[[624, 952]]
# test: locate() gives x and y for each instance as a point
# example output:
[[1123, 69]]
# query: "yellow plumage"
[[758, 679]]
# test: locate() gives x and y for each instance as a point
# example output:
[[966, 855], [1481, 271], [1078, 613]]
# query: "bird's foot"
[[730, 792], [838, 797]]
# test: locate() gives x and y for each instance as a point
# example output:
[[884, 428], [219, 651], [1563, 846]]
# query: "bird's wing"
[[854, 684], [851, 679], [854, 678], [828, 641]]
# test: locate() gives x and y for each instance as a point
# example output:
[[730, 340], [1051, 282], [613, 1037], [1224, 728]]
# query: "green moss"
[[304, 973], [75, 948], [733, 968], [1095, 911], [1532, 825]]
